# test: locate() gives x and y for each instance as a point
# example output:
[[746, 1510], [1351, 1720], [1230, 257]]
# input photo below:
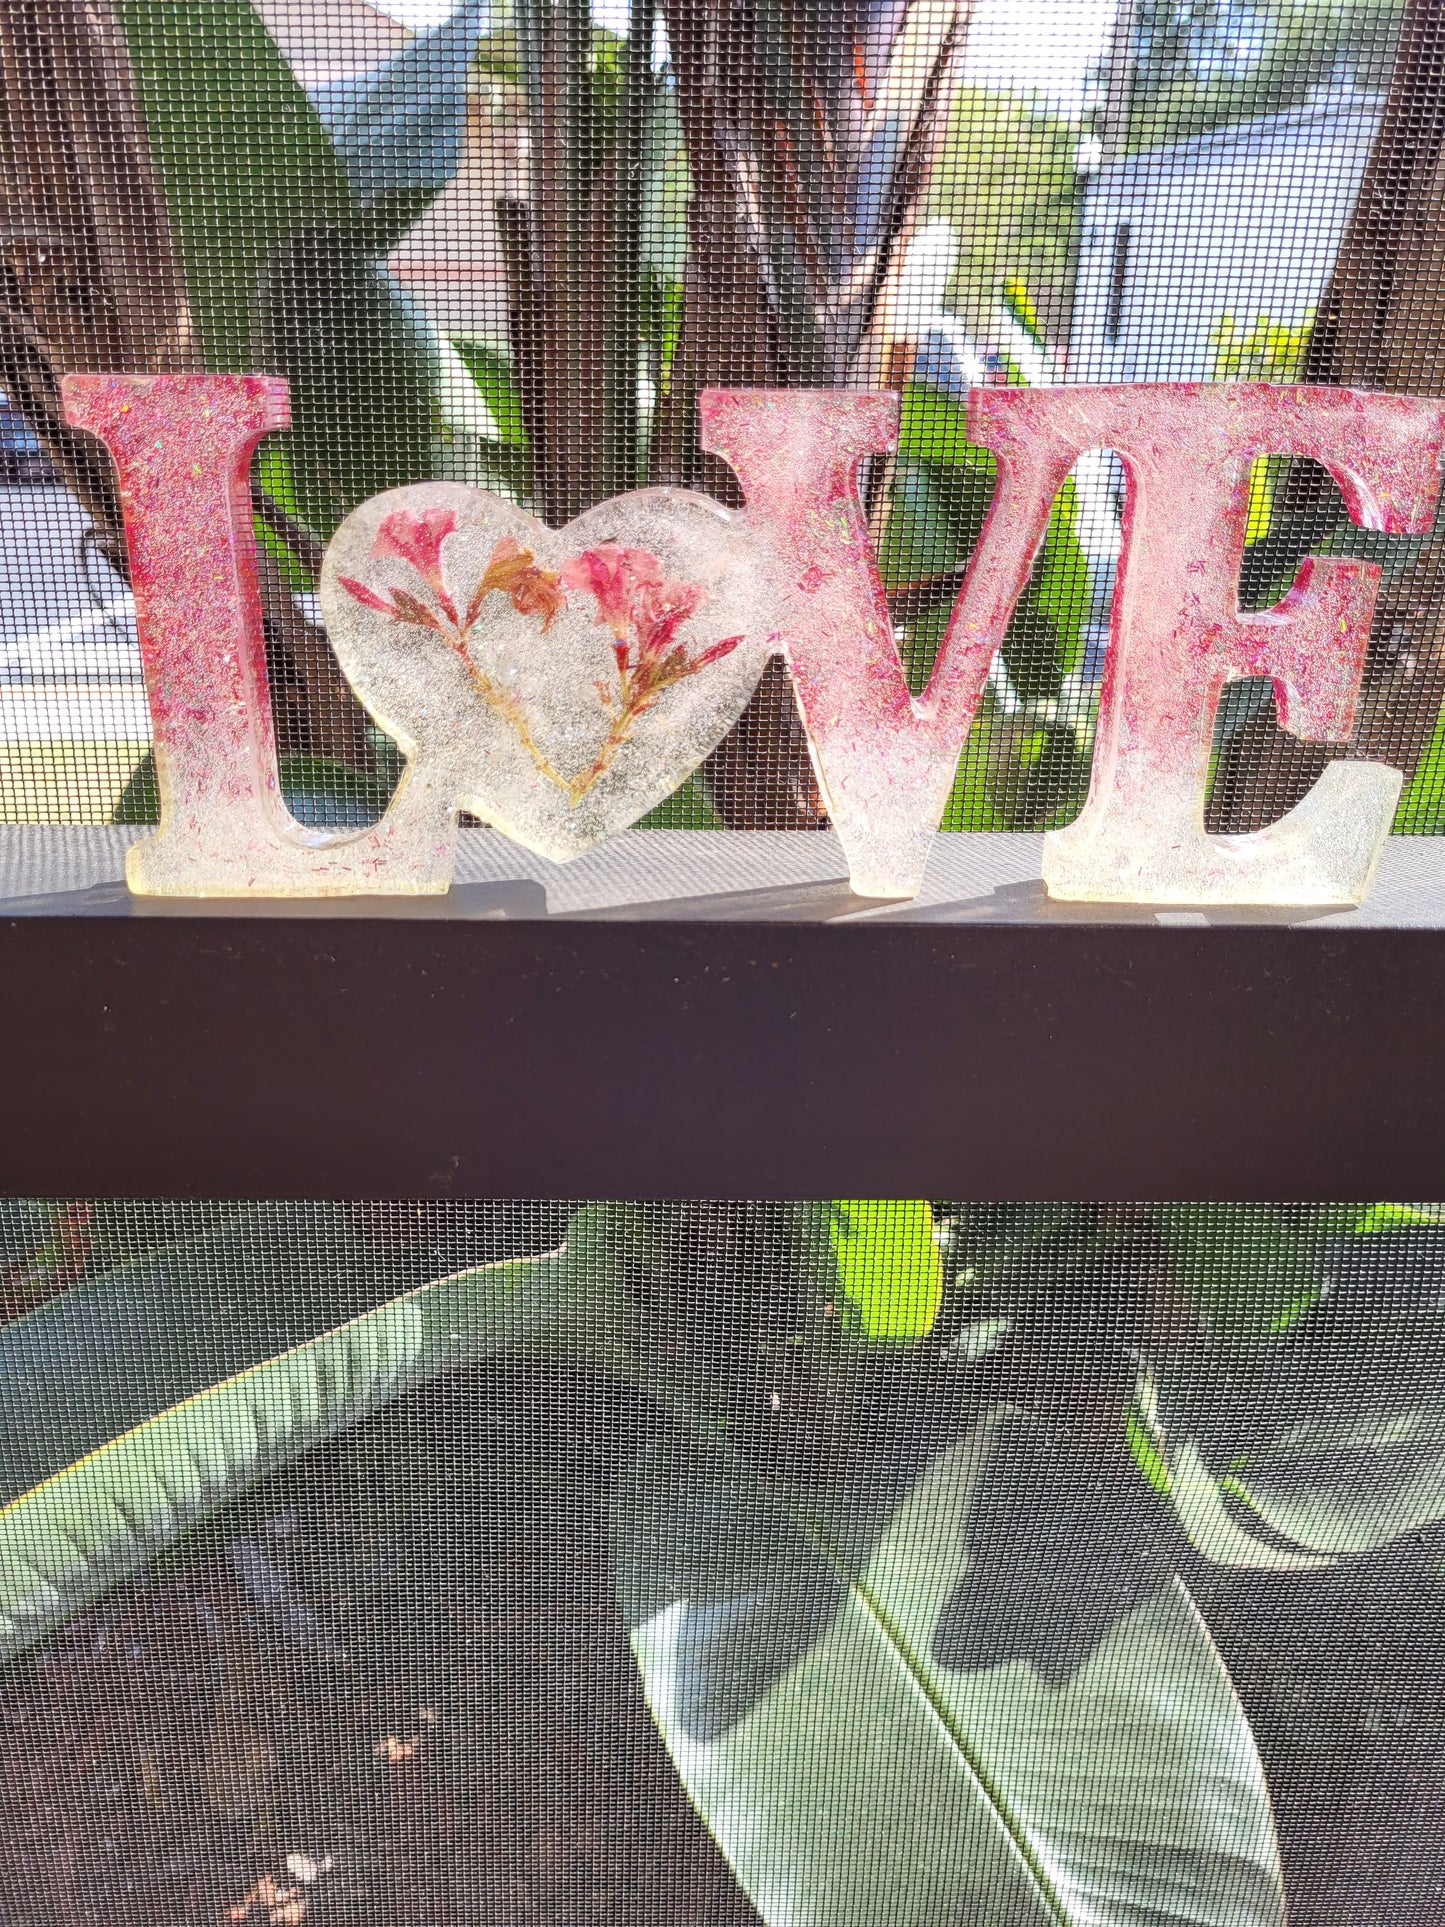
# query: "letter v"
[[885, 759]]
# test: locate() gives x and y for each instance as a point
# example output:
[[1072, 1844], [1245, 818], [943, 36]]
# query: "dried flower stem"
[[624, 720], [642, 608], [505, 705]]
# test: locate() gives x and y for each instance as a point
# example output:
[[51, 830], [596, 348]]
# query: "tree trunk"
[[89, 280], [811, 128], [1381, 325]]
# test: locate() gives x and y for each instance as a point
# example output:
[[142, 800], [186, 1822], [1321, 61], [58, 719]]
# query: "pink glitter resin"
[[1178, 635], [182, 445], [886, 759]]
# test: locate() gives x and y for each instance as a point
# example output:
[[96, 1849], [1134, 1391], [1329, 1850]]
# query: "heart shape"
[[557, 684]]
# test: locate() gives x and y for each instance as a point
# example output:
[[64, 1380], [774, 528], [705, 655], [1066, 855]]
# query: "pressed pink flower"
[[659, 610], [416, 539], [614, 576], [513, 571], [364, 595]]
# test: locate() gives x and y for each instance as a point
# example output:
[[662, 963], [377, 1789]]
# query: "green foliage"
[[1013, 769], [492, 372], [931, 515], [281, 260], [1006, 180], [156, 1328], [317, 792], [362, 364], [505, 461], [1248, 1268], [1202, 64], [945, 1680], [864, 1751], [85, 1527], [1421, 810], [243, 156], [1253, 1269], [1062, 587], [933, 1674], [889, 1264], [941, 492], [660, 324], [667, 190], [1296, 1494], [1391, 1217], [1267, 351], [933, 428], [498, 60], [1330, 1444], [976, 801], [688, 808]]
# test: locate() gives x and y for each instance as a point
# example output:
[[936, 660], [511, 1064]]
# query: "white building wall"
[[1244, 222]]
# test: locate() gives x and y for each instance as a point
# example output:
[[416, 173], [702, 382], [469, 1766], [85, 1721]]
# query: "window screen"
[[848, 1562], [509, 244], [854, 1563]]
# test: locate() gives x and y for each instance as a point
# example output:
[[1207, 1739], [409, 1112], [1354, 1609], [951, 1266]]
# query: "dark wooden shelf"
[[695, 1014]]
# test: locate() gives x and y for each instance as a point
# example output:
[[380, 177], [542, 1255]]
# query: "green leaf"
[[132, 1340], [920, 538], [941, 489], [870, 1738], [1390, 1217], [318, 792], [1346, 1487], [140, 800], [933, 428], [323, 795], [660, 321], [889, 1264], [688, 808], [1421, 809], [492, 372], [243, 156], [271, 470], [68, 1539], [363, 365], [278, 253], [973, 803], [1325, 1444], [1031, 1247], [1248, 1267], [1062, 587]]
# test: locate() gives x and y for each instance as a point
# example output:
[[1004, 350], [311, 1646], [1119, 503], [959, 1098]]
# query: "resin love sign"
[[559, 683], [886, 759], [556, 685]]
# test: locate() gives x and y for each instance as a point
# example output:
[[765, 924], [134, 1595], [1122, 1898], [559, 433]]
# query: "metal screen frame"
[[419, 1049]]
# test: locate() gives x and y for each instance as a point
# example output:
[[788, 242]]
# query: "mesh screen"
[[883, 1530], [835, 1564], [509, 244]]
